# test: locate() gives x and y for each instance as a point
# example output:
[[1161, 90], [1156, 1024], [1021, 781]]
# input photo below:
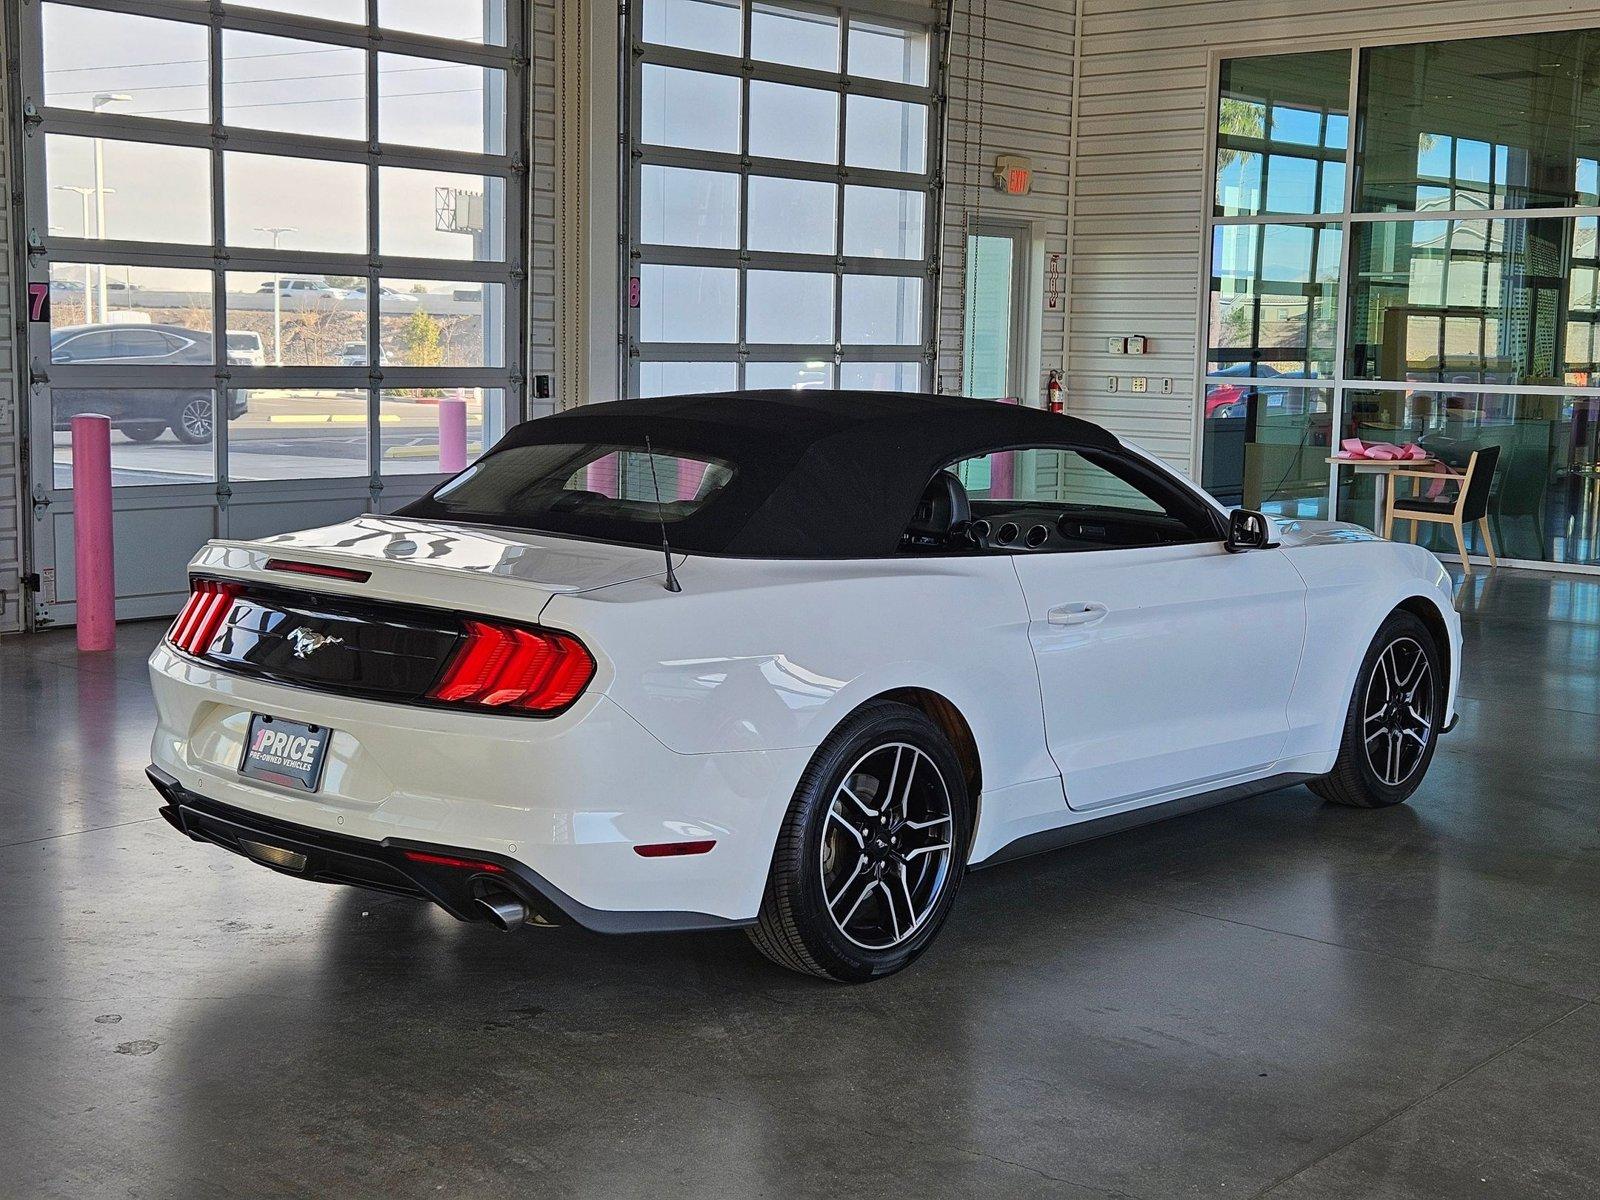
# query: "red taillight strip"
[[348, 574], [191, 609], [447, 860], [511, 667], [212, 616], [208, 605], [672, 849]]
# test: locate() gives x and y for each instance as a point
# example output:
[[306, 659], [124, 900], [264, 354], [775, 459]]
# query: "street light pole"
[[100, 100], [83, 195], [276, 231]]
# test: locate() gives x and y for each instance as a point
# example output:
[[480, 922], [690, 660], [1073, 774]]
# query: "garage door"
[[280, 242]]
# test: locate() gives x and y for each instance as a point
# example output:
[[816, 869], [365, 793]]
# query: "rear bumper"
[[382, 866], [567, 798]]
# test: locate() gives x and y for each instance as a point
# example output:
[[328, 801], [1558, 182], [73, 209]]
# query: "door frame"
[[1024, 370]]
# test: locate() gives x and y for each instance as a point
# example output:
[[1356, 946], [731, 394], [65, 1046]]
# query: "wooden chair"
[[1469, 504]]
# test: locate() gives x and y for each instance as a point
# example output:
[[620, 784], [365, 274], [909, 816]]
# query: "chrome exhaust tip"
[[504, 910]]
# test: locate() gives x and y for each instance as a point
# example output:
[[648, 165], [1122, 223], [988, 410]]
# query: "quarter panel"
[[767, 655]]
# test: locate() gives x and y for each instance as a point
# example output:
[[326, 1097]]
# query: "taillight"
[[509, 667], [202, 616]]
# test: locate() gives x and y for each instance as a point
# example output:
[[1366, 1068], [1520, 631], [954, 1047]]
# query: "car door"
[[1165, 662]]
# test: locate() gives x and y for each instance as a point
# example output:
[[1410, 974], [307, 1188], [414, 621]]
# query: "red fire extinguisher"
[[1053, 397]]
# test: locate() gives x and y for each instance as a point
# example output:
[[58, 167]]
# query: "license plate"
[[288, 753]]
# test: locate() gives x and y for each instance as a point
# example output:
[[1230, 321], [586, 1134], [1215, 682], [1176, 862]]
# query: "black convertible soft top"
[[815, 474]]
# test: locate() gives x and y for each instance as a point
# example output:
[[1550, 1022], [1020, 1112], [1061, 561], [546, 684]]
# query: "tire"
[[859, 824], [143, 431], [192, 423], [1391, 728]]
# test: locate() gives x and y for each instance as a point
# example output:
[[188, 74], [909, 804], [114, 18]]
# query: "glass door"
[[994, 340]]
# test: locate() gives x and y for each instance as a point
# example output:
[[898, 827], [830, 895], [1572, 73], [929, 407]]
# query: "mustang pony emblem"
[[307, 642]]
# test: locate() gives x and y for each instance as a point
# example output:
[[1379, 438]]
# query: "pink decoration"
[[93, 560], [453, 434], [1355, 448]]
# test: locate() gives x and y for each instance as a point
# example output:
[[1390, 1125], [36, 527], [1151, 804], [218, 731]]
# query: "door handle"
[[1082, 613]]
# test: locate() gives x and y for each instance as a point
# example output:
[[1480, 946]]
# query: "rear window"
[[244, 341], [560, 487]]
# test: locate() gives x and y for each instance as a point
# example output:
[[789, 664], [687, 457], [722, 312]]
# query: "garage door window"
[[778, 197], [328, 191]]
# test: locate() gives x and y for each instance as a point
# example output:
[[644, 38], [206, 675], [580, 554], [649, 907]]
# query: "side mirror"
[[1248, 530]]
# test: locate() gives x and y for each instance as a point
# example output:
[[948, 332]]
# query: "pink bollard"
[[1003, 475], [96, 586], [690, 475], [452, 435], [1003, 469]]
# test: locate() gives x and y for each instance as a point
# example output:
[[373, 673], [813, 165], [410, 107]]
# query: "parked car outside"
[[142, 414], [246, 349], [354, 354], [304, 289]]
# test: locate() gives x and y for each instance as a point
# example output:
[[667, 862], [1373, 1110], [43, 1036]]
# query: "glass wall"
[[1276, 264], [1432, 278], [779, 196]]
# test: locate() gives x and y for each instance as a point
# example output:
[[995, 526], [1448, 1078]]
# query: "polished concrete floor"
[[1277, 998]]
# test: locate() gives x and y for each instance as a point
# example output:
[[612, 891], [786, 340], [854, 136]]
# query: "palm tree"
[[1239, 119]]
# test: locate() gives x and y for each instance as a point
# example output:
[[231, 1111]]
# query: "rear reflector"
[[209, 603], [672, 849], [446, 860], [318, 569], [509, 667]]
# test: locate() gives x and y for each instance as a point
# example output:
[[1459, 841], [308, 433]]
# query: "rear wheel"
[[871, 852], [192, 425], [1392, 726], [144, 431]]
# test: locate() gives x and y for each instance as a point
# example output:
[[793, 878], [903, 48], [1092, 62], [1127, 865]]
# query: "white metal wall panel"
[[1140, 172], [11, 364], [155, 538], [542, 200], [1009, 92]]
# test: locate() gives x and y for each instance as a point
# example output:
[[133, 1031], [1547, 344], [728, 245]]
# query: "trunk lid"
[[502, 572], [388, 636]]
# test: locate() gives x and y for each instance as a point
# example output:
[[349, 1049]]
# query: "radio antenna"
[[672, 584]]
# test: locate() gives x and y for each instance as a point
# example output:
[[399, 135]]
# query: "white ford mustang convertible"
[[787, 661]]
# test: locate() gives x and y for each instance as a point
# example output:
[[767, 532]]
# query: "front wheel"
[[871, 852], [1392, 726]]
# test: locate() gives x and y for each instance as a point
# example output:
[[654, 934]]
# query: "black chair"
[[1469, 504]]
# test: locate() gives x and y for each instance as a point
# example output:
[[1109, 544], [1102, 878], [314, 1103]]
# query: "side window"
[[86, 347], [1049, 499], [134, 342], [1047, 476]]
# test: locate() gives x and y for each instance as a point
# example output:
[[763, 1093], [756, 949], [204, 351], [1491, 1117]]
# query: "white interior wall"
[[542, 182], [1140, 164]]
